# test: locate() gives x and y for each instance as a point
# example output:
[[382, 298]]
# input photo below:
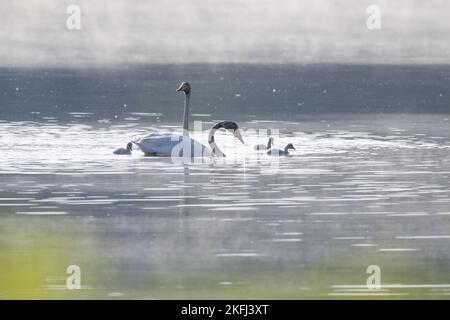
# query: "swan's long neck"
[[286, 150], [269, 144], [187, 105], [212, 143]]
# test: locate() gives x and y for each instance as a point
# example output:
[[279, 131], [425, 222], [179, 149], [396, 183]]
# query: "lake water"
[[368, 183]]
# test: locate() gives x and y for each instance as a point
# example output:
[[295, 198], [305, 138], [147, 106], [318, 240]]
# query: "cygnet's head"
[[289, 147]]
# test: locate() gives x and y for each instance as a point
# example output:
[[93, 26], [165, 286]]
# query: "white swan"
[[263, 146], [278, 152], [126, 151], [168, 144]]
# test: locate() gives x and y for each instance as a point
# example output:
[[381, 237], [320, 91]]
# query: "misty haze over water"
[[205, 31]]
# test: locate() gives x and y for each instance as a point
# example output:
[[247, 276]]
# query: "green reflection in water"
[[35, 252]]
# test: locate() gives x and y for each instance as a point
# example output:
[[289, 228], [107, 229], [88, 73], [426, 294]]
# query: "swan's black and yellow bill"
[[237, 134]]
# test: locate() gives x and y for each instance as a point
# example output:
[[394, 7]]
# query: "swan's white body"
[[171, 145]]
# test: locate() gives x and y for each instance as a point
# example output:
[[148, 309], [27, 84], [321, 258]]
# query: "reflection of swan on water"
[[126, 151], [278, 152], [168, 144], [265, 147]]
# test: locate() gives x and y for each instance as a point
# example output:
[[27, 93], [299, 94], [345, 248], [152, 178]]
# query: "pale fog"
[[366, 187], [34, 32]]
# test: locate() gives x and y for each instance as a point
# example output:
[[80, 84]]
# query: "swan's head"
[[289, 147], [130, 146], [184, 87], [232, 127]]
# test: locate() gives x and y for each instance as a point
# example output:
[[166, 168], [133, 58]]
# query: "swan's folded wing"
[[160, 144], [187, 147], [168, 145]]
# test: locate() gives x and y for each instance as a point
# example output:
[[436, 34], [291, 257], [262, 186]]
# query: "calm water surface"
[[366, 188]]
